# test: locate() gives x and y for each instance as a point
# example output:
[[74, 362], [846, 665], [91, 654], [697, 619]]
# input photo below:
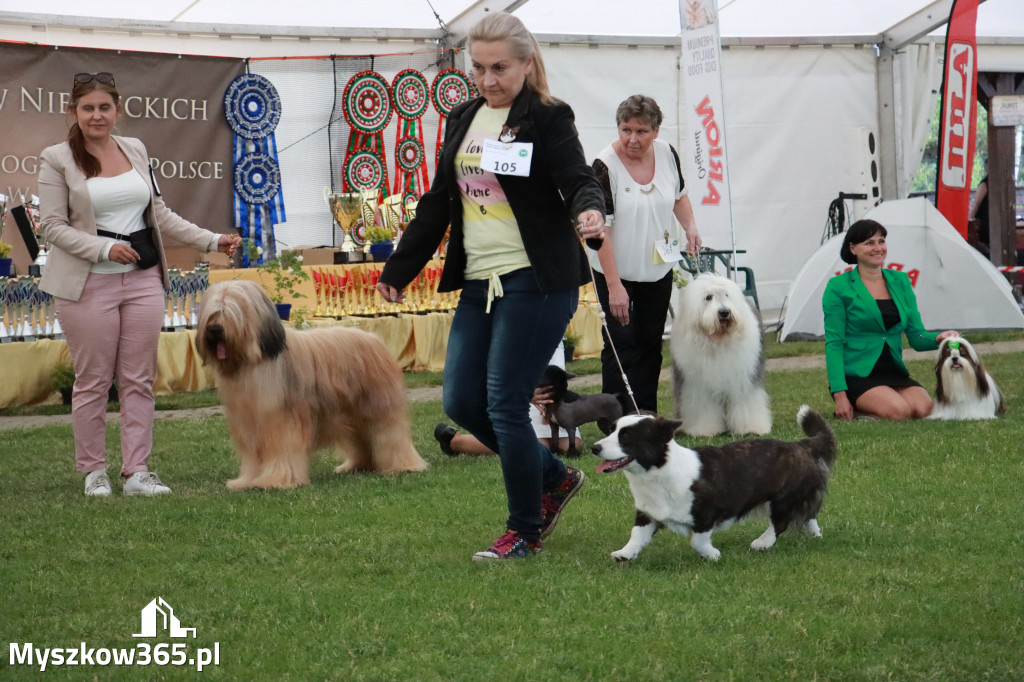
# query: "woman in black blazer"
[[514, 186]]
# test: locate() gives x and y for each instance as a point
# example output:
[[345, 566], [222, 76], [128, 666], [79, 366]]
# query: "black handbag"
[[143, 244]]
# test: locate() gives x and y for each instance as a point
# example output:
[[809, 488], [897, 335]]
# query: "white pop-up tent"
[[956, 287]]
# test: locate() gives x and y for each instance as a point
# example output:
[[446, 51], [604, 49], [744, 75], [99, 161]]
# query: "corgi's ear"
[[666, 428]]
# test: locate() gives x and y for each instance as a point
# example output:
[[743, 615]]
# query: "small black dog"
[[569, 409]]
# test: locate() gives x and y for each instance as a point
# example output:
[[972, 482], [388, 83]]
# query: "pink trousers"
[[114, 330]]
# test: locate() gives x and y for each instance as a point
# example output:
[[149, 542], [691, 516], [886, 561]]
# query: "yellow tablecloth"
[[418, 342], [25, 368]]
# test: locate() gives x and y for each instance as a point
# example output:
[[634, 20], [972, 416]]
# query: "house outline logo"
[[169, 620]]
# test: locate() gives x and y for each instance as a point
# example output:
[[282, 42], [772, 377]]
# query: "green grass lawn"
[[918, 575]]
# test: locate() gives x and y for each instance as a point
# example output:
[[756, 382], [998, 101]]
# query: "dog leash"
[[607, 332]]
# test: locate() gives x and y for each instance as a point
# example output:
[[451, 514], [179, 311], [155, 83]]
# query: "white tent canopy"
[[956, 287], [805, 87]]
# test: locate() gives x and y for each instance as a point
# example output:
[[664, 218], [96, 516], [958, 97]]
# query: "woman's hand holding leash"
[[228, 243], [390, 293], [693, 242], [590, 225]]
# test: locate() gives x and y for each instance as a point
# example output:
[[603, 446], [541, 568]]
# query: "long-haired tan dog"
[[288, 393]]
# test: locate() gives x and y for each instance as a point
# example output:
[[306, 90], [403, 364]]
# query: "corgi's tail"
[[817, 429]]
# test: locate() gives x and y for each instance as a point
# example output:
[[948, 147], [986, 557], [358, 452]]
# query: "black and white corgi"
[[698, 491]]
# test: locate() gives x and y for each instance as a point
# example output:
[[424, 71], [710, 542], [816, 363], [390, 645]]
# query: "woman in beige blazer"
[[95, 191]]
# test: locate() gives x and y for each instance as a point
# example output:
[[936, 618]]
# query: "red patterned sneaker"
[[553, 503], [509, 546]]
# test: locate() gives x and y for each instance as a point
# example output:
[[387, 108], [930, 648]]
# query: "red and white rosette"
[[368, 107], [451, 88], [410, 94]]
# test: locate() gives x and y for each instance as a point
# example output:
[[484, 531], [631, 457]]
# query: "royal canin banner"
[[959, 114], [702, 122]]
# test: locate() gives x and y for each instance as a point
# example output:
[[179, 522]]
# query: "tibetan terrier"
[[964, 390], [695, 492], [718, 362], [288, 393]]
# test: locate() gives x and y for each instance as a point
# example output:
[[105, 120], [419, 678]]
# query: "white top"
[[118, 203], [638, 215]]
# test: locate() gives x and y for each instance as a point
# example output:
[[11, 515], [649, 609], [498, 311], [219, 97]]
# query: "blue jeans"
[[492, 366]]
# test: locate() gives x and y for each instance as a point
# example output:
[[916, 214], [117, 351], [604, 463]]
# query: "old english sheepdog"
[[718, 361]]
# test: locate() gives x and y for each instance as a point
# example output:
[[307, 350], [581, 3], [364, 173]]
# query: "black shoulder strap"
[[679, 170], [156, 186]]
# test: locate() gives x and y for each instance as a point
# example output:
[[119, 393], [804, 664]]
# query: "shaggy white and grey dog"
[[718, 361], [963, 389], [288, 393]]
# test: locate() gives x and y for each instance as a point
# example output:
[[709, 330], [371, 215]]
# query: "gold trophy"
[[345, 209], [392, 212], [318, 287], [368, 207]]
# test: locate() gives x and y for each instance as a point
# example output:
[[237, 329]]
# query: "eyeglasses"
[[101, 77]]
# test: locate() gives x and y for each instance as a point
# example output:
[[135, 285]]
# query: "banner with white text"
[[173, 103], [702, 122], [957, 122]]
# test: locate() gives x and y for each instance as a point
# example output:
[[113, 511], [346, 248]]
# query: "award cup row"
[[353, 293], [181, 300], [26, 313]]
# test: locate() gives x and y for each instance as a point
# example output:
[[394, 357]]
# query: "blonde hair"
[[502, 26]]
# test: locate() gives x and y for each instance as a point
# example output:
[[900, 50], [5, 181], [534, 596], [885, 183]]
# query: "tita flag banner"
[[959, 114], [702, 120]]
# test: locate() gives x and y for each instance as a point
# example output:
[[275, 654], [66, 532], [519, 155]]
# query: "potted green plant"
[[381, 243], [299, 318], [5, 258], [285, 274], [62, 377], [570, 342]]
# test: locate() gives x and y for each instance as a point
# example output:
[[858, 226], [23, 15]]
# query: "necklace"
[[647, 191]]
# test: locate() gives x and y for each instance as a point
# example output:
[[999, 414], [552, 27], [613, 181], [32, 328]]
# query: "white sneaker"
[[144, 483], [97, 483]]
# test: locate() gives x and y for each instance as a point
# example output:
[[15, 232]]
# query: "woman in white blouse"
[[104, 217], [645, 202]]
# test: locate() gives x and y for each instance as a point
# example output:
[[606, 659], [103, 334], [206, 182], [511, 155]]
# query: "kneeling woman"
[[867, 310]]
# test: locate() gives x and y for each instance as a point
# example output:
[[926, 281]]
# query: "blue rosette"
[[257, 178], [252, 106]]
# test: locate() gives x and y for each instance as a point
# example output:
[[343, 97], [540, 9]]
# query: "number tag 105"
[[507, 159]]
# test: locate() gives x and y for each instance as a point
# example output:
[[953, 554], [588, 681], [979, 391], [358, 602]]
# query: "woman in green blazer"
[[867, 310]]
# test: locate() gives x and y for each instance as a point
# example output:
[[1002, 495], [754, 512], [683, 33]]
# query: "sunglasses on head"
[[102, 77]]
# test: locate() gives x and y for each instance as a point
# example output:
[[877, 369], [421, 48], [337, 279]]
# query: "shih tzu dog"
[[964, 390]]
